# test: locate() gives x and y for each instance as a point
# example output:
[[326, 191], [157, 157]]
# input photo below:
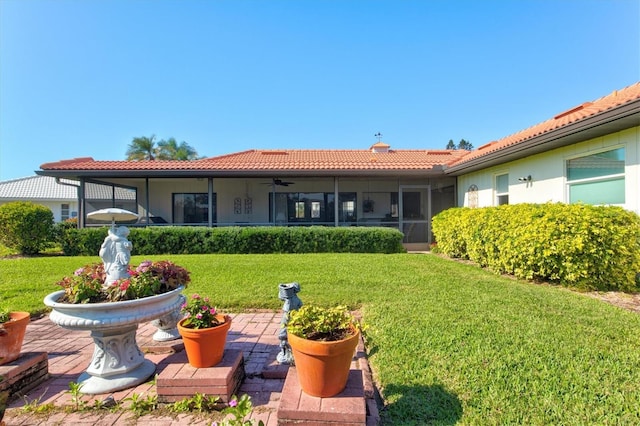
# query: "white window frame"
[[568, 183], [497, 194]]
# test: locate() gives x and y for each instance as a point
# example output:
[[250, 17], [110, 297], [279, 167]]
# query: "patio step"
[[24, 373], [177, 379], [348, 408]]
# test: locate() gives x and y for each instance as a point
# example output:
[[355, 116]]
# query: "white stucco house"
[[60, 198], [589, 153]]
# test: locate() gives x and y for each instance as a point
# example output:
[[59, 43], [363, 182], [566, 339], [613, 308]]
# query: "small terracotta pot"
[[11, 340], [323, 367], [205, 346]]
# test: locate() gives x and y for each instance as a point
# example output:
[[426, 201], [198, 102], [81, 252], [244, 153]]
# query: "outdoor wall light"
[[525, 178]]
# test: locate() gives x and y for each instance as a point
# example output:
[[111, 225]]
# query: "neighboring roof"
[[47, 188], [617, 111], [268, 162], [36, 188]]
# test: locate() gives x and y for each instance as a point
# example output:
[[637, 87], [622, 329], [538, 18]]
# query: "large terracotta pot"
[[11, 340], [205, 346], [117, 363], [323, 367]]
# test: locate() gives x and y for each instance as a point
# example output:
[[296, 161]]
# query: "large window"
[[597, 178], [192, 208], [502, 189], [312, 207]]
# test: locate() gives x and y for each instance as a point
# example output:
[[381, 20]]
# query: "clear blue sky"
[[82, 78]]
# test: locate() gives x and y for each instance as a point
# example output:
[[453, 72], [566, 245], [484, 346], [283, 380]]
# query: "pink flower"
[[78, 272], [212, 311], [233, 403], [199, 315]]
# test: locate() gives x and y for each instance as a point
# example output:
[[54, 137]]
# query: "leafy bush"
[[25, 226], [582, 246], [244, 240]]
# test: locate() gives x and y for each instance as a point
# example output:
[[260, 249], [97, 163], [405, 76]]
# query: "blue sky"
[[82, 78]]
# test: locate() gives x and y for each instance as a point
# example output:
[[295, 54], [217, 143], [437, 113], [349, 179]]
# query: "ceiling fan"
[[279, 182]]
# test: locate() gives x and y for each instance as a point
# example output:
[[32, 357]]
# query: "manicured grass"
[[449, 343]]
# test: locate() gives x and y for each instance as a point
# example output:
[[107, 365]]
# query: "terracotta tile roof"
[[570, 116], [279, 160]]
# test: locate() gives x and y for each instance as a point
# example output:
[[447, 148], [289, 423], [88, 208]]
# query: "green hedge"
[[263, 239], [581, 246], [25, 226]]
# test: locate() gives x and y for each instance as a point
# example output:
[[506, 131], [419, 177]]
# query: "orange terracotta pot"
[[11, 340], [323, 367], [205, 346]]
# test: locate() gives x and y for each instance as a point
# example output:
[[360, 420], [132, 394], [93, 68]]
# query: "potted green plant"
[[204, 332], [323, 341], [13, 326]]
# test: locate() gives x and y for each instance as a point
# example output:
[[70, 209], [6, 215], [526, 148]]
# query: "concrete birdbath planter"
[[109, 300], [117, 362]]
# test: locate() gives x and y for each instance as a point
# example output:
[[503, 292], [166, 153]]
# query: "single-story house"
[[590, 153], [60, 198], [60, 195]]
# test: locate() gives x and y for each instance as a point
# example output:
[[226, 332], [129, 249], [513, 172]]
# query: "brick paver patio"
[[254, 334]]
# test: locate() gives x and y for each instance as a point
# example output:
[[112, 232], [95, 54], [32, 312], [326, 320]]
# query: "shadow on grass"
[[421, 405]]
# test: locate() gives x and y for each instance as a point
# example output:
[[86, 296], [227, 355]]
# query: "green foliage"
[[67, 236], [324, 324], [25, 226], [581, 246], [4, 315], [245, 240], [76, 396], [199, 313], [142, 405], [86, 285], [198, 402], [239, 409]]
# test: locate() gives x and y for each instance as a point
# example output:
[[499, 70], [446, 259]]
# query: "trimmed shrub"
[[582, 246], [232, 240], [26, 226]]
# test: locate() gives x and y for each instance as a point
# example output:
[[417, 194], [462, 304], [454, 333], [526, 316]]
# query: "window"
[[597, 178], [192, 208], [315, 210], [502, 189], [64, 212], [312, 207]]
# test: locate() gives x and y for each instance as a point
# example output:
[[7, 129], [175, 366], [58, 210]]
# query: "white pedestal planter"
[[117, 363]]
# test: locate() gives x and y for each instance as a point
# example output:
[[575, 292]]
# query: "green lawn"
[[449, 343]]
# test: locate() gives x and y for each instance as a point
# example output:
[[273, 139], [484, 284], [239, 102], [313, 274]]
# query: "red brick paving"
[[254, 334]]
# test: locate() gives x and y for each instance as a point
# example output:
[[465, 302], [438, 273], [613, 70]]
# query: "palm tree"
[[171, 150], [142, 148]]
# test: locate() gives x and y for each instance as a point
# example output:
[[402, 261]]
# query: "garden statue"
[[116, 254], [289, 294]]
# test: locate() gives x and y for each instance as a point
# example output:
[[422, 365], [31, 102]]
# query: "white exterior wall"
[[548, 173]]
